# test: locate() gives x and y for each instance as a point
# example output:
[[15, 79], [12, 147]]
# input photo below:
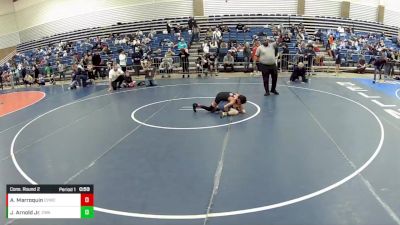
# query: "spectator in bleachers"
[[286, 39], [224, 45], [178, 28], [214, 45], [122, 60], [209, 34], [182, 44], [206, 47], [165, 67], [136, 58], [240, 27], [149, 71], [199, 65], [184, 59], [195, 33], [212, 61], [228, 62], [61, 70], [169, 54], [223, 28], [191, 23], [217, 36], [96, 60], [318, 36], [116, 77]]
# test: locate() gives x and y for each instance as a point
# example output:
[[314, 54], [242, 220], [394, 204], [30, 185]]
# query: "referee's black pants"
[[266, 71]]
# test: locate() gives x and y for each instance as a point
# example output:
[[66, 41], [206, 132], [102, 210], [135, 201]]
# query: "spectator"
[[211, 59], [178, 28], [116, 77], [338, 61], [286, 39], [149, 70], [136, 58], [240, 27], [246, 56], [318, 36], [191, 23], [217, 36], [165, 67], [228, 62], [184, 58], [224, 44], [201, 65], [205, 48], [182, 44], [61, 70], [122, 60], [299, 71], [254, 57], [96, 63], [48, 71], [361, 66], [169, 27], [195, 34], [209, 34], [309, 55]]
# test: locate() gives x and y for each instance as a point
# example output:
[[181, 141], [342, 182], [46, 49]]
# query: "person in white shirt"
[[122, 60], [115, 76], [216, 35], [61, 70]]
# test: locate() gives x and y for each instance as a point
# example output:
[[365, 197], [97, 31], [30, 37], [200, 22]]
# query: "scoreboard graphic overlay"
[[49, 201]]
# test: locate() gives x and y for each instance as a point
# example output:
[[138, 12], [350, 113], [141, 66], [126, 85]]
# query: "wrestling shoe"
[[194, 107], [222, 114], [275, 92]]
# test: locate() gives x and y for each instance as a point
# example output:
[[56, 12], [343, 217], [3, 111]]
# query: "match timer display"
[[49, 201]]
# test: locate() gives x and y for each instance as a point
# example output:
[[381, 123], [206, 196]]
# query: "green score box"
[[87, 212]]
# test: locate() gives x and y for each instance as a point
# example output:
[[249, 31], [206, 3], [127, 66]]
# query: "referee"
[[266, 58]]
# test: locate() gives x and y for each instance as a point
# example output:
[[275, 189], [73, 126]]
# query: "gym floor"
[[319, 153]]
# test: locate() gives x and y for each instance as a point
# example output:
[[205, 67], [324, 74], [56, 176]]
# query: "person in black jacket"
[[309, 55], [96, 60], [136, 58], [191, 23], [184, 58]]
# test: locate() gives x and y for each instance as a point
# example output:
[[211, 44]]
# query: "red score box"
[[87, 200]]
